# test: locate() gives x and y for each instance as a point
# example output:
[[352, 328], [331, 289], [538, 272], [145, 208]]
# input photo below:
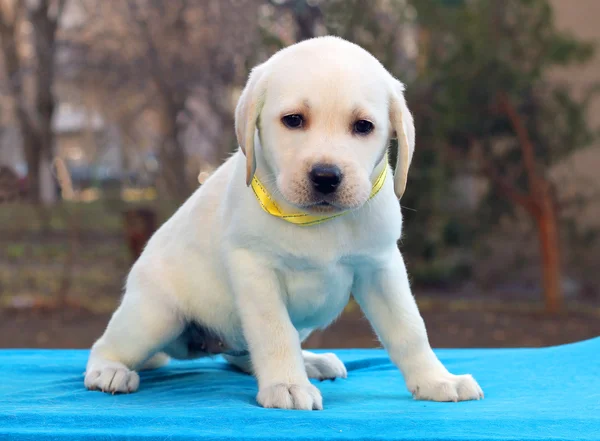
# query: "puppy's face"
[[324, 110], [324, 128]]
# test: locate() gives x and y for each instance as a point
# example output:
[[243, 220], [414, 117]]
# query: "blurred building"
[[82, 138], [580, 174]]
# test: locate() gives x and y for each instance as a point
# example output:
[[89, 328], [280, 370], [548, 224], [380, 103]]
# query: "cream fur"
[[264, 284]]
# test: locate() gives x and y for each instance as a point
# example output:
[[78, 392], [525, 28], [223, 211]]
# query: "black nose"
[[325, 178]]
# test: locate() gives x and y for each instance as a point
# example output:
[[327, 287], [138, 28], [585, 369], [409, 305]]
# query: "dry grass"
[[35, 247]]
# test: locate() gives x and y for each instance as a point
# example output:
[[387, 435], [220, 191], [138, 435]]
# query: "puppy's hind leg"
[[156, 361], [325, 366], [318, 366], [136, 333], [242, 362]]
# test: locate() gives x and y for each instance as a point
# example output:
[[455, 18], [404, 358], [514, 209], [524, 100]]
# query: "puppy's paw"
[[445, 387], [324, 366], [112, 378], [290, 396]]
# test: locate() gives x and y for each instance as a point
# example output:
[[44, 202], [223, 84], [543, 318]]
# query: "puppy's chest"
[[316, 295]]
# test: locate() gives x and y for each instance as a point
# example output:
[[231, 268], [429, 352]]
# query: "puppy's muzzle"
[[325, 178]]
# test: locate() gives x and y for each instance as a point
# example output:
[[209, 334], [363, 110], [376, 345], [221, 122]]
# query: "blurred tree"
[[177, 60], [491, 107], [28, 30]]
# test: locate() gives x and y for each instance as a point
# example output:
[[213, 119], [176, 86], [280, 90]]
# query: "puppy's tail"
[[156, 361]]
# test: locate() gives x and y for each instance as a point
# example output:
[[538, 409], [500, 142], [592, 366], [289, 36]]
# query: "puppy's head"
[[322, 113]]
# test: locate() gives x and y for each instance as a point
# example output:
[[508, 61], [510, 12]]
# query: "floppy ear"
[[246, 116], [403, 124]]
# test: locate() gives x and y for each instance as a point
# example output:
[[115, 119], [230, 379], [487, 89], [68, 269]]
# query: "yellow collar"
[[270, 206]]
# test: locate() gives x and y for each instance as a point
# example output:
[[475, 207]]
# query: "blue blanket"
[[531, 394]]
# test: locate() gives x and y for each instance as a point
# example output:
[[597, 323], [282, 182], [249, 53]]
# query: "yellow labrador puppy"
[[272, 244]]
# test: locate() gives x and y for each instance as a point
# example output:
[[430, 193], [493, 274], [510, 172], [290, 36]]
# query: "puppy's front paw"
[[324, 366], [445, 387], [112, 379], [290, 396]]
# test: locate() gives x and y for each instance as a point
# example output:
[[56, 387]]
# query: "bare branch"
[[8, 41], [525, 142]]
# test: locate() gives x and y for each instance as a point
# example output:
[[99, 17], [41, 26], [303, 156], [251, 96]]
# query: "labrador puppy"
[[269, 248]]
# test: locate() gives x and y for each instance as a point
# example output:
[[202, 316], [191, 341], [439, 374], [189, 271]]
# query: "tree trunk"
[[540, 204], [33, 158], [40, 181], [48, 185], [44, 37], [34, 121], [550, 253], [172, 165]]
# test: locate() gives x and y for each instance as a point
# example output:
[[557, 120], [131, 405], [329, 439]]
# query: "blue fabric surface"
[[531, 394]]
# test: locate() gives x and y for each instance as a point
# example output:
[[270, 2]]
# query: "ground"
[[44, 260], [468, 326]]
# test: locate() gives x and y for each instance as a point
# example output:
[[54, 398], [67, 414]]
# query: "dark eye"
[[363, 127], [293, 121]]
